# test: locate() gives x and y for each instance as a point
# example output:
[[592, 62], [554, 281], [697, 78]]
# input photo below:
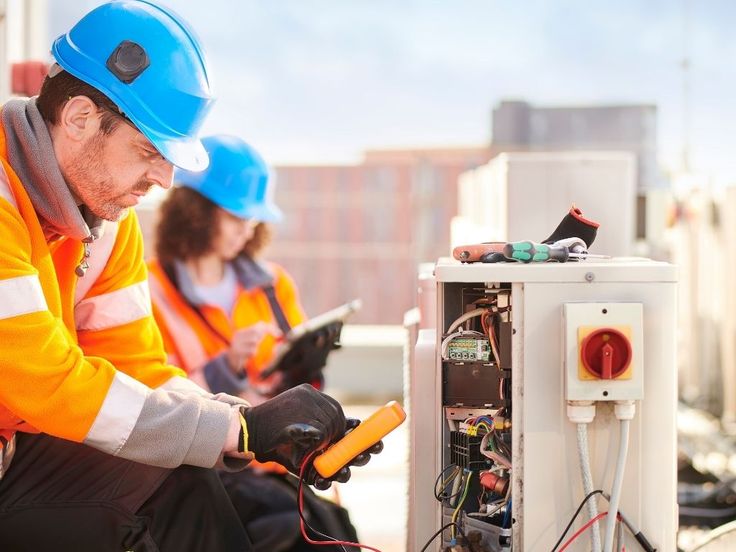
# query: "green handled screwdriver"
[[532, 252]]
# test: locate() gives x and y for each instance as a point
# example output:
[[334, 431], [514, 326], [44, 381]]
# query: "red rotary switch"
[[606, 353]]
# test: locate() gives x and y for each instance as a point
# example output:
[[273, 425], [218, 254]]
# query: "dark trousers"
[[62, 496], [267, 506]]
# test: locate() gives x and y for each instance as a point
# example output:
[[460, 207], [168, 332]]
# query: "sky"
[[320, 81]]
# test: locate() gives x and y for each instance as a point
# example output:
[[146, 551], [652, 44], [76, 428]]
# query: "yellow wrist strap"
[[243, 445]]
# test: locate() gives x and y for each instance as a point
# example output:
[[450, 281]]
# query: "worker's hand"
[[342, 476], [289, 427], [307, 357], [329, 336], [245, 342]]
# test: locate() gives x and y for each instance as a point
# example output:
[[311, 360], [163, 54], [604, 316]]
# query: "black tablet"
[[300, 334]]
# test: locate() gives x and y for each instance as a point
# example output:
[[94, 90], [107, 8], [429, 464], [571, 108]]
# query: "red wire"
[[583, 529], [301, 516]]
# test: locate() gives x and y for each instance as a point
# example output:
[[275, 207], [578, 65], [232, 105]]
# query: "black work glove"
[[289, 427], [304, 362]]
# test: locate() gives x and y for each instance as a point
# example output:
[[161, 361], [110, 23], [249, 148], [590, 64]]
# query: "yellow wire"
[[460, 503], [485, 425]]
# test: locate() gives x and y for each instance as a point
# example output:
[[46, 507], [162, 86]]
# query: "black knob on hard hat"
[[128, 61]]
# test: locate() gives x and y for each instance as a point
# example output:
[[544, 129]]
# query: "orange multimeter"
[[379, 424]]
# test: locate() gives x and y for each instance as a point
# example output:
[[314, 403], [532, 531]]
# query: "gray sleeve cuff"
[[175, 429], [230, 399], [220, 377]]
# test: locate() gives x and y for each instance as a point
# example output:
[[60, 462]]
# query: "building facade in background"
[[361, 230]]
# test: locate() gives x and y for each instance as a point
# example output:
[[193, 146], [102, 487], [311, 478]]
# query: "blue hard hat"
[[237, 179], [151, 65]]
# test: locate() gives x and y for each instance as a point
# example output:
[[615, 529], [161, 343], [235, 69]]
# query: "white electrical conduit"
[[455, 492], [467, 316], [587, 477], [618, 480]]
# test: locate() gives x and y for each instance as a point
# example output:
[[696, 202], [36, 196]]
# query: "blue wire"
[[482, 418], [507, 516]]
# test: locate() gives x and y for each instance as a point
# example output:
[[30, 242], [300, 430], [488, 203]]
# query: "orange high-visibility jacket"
[[192, 342], [82, 358]]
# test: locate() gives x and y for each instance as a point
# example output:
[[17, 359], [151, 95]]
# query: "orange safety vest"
[[191, 341], [65, 340]]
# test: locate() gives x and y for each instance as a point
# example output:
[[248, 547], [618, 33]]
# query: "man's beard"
[[90, 181]]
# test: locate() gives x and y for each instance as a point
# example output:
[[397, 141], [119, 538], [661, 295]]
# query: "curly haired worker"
[[220, 310]]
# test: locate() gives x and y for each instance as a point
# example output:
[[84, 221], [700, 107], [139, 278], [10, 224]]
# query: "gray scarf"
[[31, 154]]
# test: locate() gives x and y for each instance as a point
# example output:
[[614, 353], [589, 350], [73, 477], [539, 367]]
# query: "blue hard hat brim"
[[260, 213], [268, 212], [183, 152]]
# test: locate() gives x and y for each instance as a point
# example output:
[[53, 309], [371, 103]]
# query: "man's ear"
[[79, 119]]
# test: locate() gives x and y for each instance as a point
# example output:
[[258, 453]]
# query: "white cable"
[[587, 477], [467, 316], [618, 480], [455, 492]]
